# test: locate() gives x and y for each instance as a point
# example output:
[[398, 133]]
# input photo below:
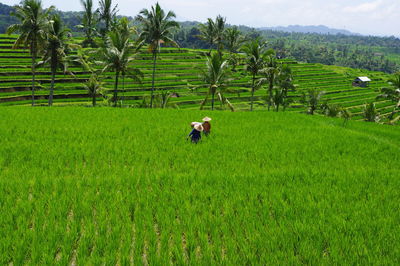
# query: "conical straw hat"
[[198, 127], [206, 119], [194, 123]]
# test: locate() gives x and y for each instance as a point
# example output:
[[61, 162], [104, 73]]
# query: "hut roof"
[[364, 79]]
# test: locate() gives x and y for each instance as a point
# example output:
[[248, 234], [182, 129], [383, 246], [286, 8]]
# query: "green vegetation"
[[156, 28], [217, 77], [90, 19], [368, 52], [118, 186], [300, 190], [179, 72], [255, 53], [181, 80], [32, 29]]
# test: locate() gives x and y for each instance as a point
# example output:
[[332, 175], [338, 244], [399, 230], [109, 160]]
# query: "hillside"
[[320, 29], [312, 44], [178, 71], [118, 186]]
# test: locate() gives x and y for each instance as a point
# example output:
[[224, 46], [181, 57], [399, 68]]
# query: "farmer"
[[196, 132], [206, 125], [194, 123]]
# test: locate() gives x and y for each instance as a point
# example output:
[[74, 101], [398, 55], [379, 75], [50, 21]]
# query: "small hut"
[[361, 82]]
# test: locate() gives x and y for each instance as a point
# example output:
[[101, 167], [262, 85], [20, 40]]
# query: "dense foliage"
[[115, 52], [368, 52]]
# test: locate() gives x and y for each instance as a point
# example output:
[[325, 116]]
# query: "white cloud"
[[365, 7]]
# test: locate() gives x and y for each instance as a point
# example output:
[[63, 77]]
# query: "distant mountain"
[[321, 29], [5, 18]]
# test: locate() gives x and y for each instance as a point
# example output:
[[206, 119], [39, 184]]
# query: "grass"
[[116, 186]]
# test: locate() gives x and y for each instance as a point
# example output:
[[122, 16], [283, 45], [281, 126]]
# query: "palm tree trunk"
[[204, 102], [284, 102], [53, 76], [152, 80], [212, 100], [33, 53], [116, 88], [123, 89], [220, 49], [271, 85], [312, 108], [252, 92], [94, 99]]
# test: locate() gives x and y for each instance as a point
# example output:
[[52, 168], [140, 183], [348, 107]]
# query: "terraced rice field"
[[178, 71], [118, 186]]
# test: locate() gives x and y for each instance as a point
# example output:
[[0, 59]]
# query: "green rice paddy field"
[[178, 71], [103, 186]]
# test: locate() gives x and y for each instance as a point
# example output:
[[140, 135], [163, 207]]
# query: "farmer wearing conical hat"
[[206, 125], [196, 132], [194, 123]]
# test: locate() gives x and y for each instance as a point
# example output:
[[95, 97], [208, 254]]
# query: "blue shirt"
[[195, 134]]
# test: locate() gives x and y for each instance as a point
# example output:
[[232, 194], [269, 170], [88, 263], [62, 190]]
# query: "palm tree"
[[219, 31], [32, 28], [392, 93], [312, 99], [208, 33], [270, 72], [216, 76], [255, 54], [126, 31], [285, 84], [115, 56], [55, 50], [395, 80], [233, 39], [89, 22], [157, 27], [345, 114], [93, 87], [370, 113], [107, 14]]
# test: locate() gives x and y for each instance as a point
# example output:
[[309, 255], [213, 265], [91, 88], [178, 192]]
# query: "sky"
[[369, 17]]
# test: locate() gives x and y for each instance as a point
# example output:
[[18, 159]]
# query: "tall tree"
[[207, 31], [32, 29], [233, 39], [392, 93], [116, 56], [107, 14], [89, 22], [217, 76], [270, 72], [126, 31], [284, 85], [219, 33], [157, 27], [55, 50], [255, 52]]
